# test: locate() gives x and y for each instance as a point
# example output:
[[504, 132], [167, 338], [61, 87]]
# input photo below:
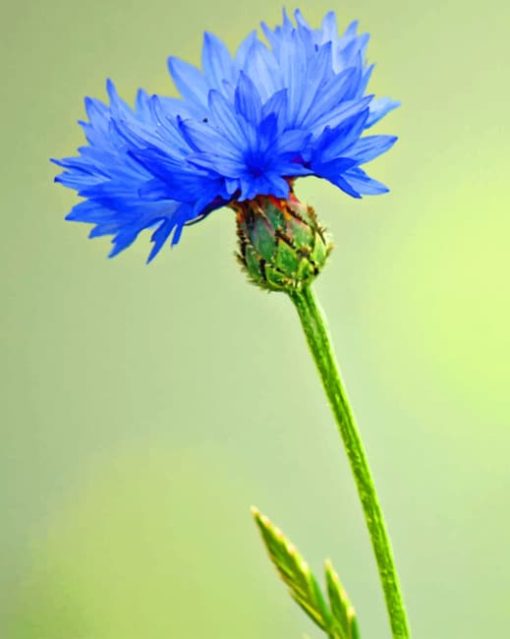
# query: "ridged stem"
[[319, 341]]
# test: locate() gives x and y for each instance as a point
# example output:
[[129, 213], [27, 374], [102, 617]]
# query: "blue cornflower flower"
[[245, 126]]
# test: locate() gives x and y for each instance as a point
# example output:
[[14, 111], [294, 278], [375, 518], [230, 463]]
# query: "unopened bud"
[[282, 246]]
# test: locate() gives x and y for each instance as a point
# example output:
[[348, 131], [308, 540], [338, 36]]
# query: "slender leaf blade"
[[344, 617], [294, 572]]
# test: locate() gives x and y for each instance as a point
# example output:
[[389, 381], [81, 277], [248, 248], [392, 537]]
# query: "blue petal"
[[293, 140], [87, 211], [329, 28], [159, 237], [346, 187], [203, 139], [333, 170], [370, 147], [338, 91], [364, 184], [155, 190], [123, 240], [223, 116], [247, 99], [216, 61], [263, 69], [244, 49], [189, 81], [229, 167], [334, 141], [379, 108], [276, 104]]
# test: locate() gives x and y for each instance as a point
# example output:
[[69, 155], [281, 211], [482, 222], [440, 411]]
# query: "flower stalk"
[[321, 347]]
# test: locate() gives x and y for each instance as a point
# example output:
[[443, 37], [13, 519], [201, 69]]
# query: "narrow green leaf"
[[344, 618], [355, 633], [294, 571]]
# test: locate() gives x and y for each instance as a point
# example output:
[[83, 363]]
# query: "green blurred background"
[[144, 409]]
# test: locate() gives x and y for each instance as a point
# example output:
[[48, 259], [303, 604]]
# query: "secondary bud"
[[282, 246]]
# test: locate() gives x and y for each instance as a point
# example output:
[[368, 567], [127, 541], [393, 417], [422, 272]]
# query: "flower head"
[[245, 126]]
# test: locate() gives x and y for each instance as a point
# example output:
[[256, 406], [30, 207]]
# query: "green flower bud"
[[282, 246]]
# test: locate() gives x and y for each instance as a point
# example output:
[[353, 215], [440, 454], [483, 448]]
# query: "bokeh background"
[[145, 408]]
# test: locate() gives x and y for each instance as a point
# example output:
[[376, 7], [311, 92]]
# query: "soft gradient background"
[[145, 408]]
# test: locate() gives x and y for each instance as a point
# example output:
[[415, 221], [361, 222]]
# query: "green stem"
[[319, 341]]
